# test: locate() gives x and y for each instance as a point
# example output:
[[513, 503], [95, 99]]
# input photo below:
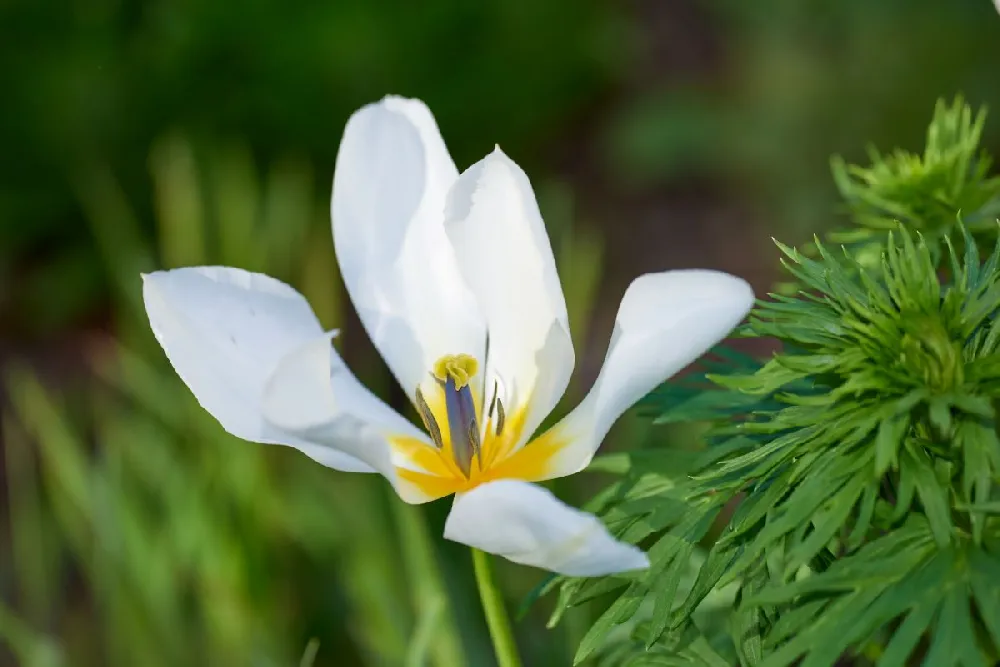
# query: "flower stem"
[[496, 616]]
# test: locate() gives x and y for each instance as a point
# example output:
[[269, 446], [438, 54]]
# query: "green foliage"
[[109, 81], [749, 102], [926, 193], [848, 486]]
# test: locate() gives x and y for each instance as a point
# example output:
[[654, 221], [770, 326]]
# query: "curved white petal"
[[503, 252], [314, 396], [392, 176], [665, 322], [224, 331], [526, 524]]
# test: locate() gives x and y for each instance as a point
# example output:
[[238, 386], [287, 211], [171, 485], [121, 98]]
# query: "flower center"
[[453, 373], [470, 448]]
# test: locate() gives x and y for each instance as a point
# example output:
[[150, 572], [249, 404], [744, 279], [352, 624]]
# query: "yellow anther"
[[458, 367]]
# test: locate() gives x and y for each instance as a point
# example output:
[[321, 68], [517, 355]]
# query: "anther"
[[501, 417], [430, 423], [497, 405]]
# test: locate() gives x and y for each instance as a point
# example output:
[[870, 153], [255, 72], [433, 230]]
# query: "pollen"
[[458, 367]]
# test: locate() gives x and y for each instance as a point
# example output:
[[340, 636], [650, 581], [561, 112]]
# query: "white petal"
[[392, 176], [526, 524], [224, 331], [665, 322], [313, 395], [504, 255]]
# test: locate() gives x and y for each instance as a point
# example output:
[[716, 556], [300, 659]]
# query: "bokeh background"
[[145, 134]]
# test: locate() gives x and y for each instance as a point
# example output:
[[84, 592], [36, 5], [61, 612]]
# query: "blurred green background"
[[138, 135]]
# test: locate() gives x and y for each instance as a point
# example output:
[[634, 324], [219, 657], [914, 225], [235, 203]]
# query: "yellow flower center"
[[467, 454]]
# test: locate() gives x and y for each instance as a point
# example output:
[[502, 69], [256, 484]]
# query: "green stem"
[[496, 615]]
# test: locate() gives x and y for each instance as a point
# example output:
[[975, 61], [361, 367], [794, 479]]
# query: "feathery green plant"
[[846, 501], [926, 193]]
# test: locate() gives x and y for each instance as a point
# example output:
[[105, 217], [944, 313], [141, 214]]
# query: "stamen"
[[430, 423], [493, 401], [501, 417], [497, 404]]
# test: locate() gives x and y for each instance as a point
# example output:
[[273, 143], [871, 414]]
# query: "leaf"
[[905, 639], [701, 650], [705, 406], [716, 564], [312, 648], [929, 490], [832, 623], [983, 577], [620, 611], [32, 648], [671, 555], [827, 523], [748, 621], [890, 435], [863, 521], [954, 639]]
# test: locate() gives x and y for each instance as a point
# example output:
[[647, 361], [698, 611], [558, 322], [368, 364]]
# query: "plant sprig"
[[855, 474]]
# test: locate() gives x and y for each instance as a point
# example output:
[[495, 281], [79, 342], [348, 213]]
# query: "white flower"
[[454, 280]]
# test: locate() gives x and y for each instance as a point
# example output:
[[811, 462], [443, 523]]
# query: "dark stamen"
[[430, 423], [501, 418], [493, 401]]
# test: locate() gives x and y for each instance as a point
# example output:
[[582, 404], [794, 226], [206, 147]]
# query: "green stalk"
[[496, 615]]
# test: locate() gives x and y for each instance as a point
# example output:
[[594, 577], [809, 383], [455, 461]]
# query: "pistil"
[[453, 373]]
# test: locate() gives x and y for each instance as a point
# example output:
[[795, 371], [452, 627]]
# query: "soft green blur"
[[145, 135]]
